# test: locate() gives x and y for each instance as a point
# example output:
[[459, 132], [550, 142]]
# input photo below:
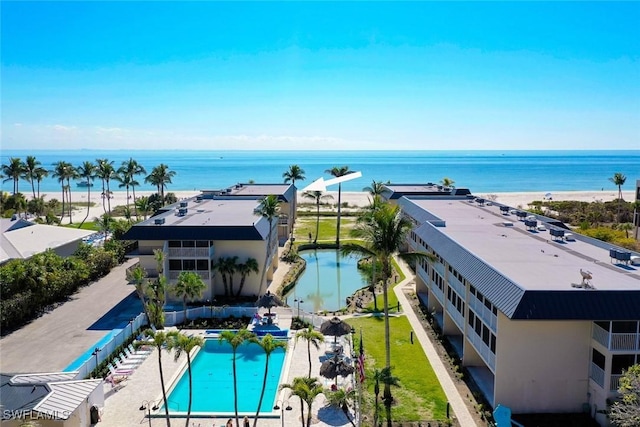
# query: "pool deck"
[[122, 407]]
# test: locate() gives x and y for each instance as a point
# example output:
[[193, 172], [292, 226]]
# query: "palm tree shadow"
[[332, 416]]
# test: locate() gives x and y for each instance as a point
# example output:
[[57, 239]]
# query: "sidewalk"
[[455, 399]]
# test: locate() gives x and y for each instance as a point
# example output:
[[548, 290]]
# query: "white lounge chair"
[[114, 370]]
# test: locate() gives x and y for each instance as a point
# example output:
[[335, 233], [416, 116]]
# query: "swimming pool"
[[327, 281], [212, 376]]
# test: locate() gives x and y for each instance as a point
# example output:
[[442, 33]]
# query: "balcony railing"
[[615, 382], [484, 313], [597, 374], [457, 285], [616, 341], [188, 252], [174, 274], [483, 350], [455, 315], [438, 293]]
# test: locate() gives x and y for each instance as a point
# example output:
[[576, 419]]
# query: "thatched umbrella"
[[334, 367], [269, 300], [335, 327]]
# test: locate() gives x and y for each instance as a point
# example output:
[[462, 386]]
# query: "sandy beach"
[[361, 199]]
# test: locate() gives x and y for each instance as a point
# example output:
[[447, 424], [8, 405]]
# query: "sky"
[[320, 75]]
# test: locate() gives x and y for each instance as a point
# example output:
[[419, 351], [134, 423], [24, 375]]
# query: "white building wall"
[[542, 366]]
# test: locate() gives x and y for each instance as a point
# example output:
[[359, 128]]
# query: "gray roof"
[[285, 192], [396, 191], [49, 393], [209, 219], [526, 274]]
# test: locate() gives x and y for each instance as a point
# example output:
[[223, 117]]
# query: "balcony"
[[188, 252], [615, 382], [616, 341], [483, 350], [173, 275], [484, 313], [597, 374]]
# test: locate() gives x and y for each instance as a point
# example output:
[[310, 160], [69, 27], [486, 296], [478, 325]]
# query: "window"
[[485, 334], [202, 244], [624, 327], [188, 264], [493, 344], [175, 264], [621, 362], [174, 243], [604, 325], [202, 265], [188, 244], [472, 318]]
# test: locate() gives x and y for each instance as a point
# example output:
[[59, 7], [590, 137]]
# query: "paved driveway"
[[54, 340]]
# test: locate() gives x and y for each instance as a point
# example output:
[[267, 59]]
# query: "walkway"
[[453, 396], [51, 342]]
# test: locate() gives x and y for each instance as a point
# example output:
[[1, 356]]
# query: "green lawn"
[[327, 230], [420, 396]]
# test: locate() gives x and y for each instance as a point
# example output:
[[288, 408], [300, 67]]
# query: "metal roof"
[[209, 219], [285, 192], [42, 378], [66, 396], [525, 273], [396, 191], [19, 397]]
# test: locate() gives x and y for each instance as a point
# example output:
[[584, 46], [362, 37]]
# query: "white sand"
[[356, 198]]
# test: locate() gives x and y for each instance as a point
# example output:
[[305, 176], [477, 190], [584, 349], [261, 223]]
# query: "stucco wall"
[[542, 366]]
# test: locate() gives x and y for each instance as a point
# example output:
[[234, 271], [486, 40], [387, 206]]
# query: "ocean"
[[480, 171]]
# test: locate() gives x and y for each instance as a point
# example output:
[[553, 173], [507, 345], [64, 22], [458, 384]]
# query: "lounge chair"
[[134, 356], [124, 363], [116, 381], [143, 349], [113, 370]]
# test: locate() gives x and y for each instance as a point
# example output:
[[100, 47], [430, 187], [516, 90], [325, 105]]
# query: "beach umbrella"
[[269, 300], [334, 327], [334, 367]]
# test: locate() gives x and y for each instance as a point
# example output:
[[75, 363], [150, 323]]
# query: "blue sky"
[[327, 75]]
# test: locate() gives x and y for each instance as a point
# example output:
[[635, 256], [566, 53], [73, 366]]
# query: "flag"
[[361, 359]]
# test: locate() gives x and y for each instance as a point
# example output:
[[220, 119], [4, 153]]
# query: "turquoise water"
[[481, 171], [212, 376], [326, 282]]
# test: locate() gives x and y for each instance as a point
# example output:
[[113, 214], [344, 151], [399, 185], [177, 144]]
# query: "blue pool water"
[[327, 281], [212, 376]]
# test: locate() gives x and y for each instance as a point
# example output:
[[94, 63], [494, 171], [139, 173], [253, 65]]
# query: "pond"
[[327, 281]]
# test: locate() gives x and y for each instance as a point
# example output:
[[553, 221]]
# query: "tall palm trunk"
[[339, 211], [88, 203], [264, 386], [164, 392], [190, 390], [235, 390], [315, 241], [63, 197], [266, 258], [135, 208], [388, 398], [108, 195]]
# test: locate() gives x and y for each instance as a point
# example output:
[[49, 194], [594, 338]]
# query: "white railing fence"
[[172, 318], [102, 353]]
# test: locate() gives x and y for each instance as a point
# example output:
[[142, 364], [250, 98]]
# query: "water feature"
[[327, 281]]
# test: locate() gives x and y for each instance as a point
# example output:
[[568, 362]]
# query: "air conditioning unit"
[[158, 221]]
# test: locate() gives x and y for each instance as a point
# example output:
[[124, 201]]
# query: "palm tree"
[[447, 182], [13, 171], [160, 341], [383, 233], [312, 337], [105, 172], [342, 399], [619, 180], [189, 285], [318, 197], [104, 223], [138, 276], [87, 171], [293, 174], [19, 203], [160, 176], [269, 345], [31, 165], [383, 376], [235, 339], [246, 268], [307, 389], [338, 172], [39, 174], [375, 189], [132, 168], [181, 343], [62, 170], [142, 205], [125, 180], [156, 292], [226, 266], [269, 208]]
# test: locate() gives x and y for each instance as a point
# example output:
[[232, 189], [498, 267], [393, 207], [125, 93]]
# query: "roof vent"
[[182, 211], [199, 198], [184, 204], [504, 210], [158, 221]]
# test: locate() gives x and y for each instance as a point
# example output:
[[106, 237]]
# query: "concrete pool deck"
[[122, 408]]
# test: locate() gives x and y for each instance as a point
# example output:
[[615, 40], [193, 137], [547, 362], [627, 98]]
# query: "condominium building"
[[544, 319], [194, 234]]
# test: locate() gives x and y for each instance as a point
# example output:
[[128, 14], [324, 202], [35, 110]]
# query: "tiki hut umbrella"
[[335, 327], [269, 300], [335, 366]]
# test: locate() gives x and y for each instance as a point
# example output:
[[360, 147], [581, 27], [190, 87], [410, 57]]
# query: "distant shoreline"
[[358, 198]]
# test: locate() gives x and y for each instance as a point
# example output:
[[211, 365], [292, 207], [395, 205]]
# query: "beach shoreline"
[[359, 199]]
